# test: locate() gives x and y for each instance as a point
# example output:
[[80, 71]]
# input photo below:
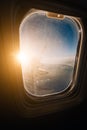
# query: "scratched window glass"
[[49, 45]]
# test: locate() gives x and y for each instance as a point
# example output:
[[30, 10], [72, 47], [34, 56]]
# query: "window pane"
[[49, 46]]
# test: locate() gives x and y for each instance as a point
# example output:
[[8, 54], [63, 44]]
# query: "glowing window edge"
[[70, 86]]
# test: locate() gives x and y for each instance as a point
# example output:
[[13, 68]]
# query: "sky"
[[48, 38]]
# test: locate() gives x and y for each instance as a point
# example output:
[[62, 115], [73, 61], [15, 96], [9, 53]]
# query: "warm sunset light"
[[23, 58]]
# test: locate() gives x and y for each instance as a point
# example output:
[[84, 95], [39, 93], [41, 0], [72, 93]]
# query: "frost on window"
[[50, 46]]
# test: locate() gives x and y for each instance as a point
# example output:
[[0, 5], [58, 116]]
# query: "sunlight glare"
[[23, 58]]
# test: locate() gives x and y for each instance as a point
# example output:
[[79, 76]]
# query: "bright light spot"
[[23, 58]]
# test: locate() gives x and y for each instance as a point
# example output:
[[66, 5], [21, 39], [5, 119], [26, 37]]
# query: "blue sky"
[[49, 37]]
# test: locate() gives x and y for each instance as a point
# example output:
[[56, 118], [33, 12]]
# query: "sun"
[[23, 58]]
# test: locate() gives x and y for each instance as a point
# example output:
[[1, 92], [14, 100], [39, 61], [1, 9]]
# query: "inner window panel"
[[49, 44]]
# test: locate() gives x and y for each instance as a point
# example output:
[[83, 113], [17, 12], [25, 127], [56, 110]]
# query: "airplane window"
[[48, 46]]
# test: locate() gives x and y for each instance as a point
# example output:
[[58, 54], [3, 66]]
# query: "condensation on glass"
[[50, 41]]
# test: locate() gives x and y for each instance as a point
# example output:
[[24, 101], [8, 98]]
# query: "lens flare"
[[23, 58]]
